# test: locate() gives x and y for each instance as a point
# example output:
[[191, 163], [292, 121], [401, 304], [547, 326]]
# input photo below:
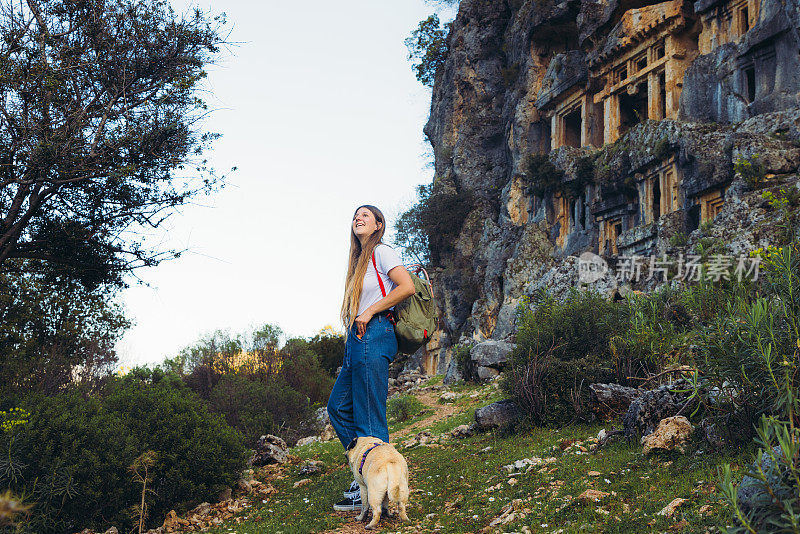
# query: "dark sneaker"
[[349, 504], [353, 492]]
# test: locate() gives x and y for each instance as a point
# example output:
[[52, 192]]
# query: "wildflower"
[[13, 418]]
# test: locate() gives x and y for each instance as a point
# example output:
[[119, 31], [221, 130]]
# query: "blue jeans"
[[357, 405]]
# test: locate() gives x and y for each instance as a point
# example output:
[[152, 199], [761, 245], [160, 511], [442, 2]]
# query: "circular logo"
[[591, 267]]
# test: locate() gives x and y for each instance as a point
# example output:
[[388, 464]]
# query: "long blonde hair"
[[357, 264]]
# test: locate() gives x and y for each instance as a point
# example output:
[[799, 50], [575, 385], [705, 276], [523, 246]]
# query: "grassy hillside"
[[460, 485]]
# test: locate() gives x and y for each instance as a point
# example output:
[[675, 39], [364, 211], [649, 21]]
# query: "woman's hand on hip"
[[361, 323]]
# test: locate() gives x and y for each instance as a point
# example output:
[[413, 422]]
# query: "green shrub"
[[785, 203], [584, 175], [255, 408], [544, 178], [774, 481], [752, 345], [54, 330], [662, 149], [679, 239], [73, 456], [709, 246], [329, 348], [752, 353], [302, 372], [403, 408], [259, 387], [562, 347], [705, 300], [751, 170]]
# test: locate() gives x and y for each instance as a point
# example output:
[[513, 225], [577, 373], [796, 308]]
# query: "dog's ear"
[[352, 444]]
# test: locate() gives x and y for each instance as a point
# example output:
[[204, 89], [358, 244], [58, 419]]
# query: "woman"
[[357, 405]]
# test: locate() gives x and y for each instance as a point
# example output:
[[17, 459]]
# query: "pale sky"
[[320, 111]]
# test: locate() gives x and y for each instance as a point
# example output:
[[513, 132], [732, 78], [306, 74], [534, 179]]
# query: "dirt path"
[[440, 411], [357, 527]]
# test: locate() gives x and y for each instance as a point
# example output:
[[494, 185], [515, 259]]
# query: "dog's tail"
[[398, 483]]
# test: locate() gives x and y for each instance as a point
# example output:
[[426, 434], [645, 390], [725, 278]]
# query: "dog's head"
[[351, 447], [357, 447]]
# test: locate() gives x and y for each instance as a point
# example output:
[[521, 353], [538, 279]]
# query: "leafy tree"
[[54, 331], [203, 363], [302, 371], [409, 235], [328, 345], [254, 353], [429, 229], [427, 47], [261, 345], [99, 128]]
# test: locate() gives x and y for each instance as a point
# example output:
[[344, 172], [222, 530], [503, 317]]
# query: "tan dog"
[[382, 475]]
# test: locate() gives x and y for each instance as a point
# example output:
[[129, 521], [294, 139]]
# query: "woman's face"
[[364, 224]]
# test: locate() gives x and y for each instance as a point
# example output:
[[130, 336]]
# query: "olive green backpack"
[[416, 316]]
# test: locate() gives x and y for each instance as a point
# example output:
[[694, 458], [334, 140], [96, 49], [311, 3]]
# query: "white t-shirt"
[[386, 259]]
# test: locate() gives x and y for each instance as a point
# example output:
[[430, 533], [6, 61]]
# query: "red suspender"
[[380, 280]]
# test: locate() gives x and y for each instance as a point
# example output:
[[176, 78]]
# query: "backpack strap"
[[380, 280]]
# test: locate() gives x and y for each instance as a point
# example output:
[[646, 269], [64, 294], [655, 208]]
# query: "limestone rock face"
[[645, 108], [716, 86], [672, 433]]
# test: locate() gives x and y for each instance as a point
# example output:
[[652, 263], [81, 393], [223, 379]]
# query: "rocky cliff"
[[622, 128]]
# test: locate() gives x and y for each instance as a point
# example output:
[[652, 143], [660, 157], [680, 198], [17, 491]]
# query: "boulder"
[[306, 441], [464, 431], [243, 486], [672, 433], [269, 450], [171, 522], [422, 438], [608, 401], [648, 409], [487, 373], [321, 416], [496, 415], [452, 374], [310, 467], [328, 433], [491, 354]]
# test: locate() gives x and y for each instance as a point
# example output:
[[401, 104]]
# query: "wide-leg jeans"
[[357, 405]]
